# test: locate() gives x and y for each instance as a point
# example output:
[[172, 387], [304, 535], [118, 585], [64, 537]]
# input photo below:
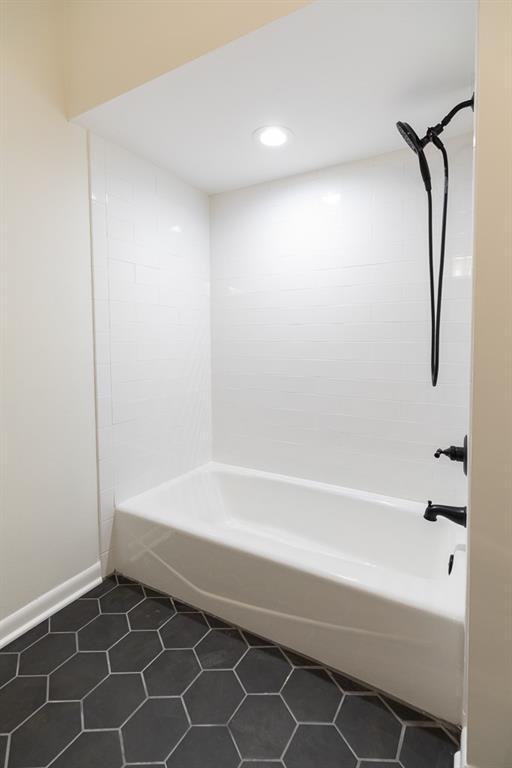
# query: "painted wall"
[[48, 523], [115, 46], [152, 325], [489, 657], [321, 331]]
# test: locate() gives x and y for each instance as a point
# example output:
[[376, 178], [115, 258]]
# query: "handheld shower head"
[[416, 144], [410, 136]]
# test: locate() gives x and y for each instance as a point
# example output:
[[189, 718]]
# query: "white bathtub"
[[356, 580]]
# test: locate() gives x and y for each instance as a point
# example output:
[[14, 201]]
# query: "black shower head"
[[410, 136], [416, 144]]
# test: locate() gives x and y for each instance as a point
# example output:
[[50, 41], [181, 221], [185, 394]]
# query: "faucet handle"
[[456, 453]]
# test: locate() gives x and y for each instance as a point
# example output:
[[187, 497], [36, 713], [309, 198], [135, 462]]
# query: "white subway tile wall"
[[150, 235], [320, 326]]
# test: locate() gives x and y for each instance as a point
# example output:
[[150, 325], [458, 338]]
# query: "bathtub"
[[355, 580]]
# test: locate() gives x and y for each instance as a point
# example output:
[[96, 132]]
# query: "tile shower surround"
[[126, 676], [320, 326], [150, 237]]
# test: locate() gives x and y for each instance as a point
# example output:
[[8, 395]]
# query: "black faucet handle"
[[454, 452]]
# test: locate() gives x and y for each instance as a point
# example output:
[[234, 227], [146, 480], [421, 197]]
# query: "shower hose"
[[435, 305]]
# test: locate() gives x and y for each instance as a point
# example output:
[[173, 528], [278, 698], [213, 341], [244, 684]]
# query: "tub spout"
[[455, 514]]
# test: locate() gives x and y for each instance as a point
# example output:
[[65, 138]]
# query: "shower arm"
[[435, 130]]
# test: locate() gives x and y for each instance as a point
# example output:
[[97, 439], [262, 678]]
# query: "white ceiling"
[[339, 74]]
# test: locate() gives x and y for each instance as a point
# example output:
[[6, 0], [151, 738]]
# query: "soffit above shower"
[[338, 74]]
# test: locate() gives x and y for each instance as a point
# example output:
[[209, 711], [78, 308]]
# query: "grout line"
[[344, 739], [296, 728], [400, 741], [177, 744], [7, 751], [55, 758], [121, 744]]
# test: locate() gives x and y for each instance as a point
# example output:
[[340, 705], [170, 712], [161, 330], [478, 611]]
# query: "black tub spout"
[[455, 514]]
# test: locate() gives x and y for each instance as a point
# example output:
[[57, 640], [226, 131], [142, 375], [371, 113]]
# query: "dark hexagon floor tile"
[[106, 585], [379, 764], [262, 764], [171, 673], [74, 616], [262, 727], [123, 579], [313, 746], [150, 592], [205, 747], [263, 670], [369, 727], [216, 623], [113, 701], [19, 699], [300, 661], [426, 747], [213, 697], [26, 639], [151, 613], [348, 685], [134, 651], [121, 599], [79, 675], [8, 664], [44, 735], [3, 750], [312, 695], [405, 713], [184, 630], [154, 730], [50, 651], [90, 749], [221, 649], [183, 607], [255, 640], [102, 632]]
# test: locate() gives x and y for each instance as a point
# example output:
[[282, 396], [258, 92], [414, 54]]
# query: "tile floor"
[[126, 676]]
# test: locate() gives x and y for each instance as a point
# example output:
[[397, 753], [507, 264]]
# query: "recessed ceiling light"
[[273, 135]]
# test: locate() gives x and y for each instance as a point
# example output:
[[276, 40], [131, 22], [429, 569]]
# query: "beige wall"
[[489, 671], [98, 48], [115, 46], [48, 523]]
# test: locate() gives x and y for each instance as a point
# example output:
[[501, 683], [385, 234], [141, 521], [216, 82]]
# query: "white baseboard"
[[39, 609]]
